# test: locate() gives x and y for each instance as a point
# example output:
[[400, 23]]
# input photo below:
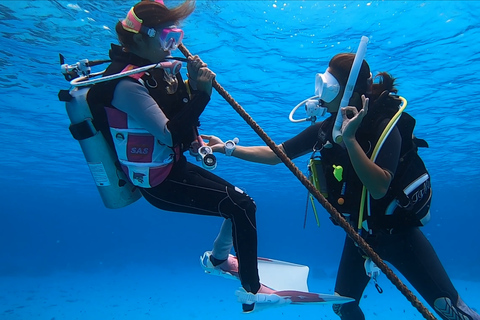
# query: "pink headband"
[[133, 23]]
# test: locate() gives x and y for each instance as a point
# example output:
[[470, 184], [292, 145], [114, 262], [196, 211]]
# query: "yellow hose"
[[375, 152]]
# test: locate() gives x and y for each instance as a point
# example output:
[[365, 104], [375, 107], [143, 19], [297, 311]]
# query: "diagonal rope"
[[337, 217]]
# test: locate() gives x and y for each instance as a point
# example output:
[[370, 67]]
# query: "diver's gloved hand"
[[214, 142]]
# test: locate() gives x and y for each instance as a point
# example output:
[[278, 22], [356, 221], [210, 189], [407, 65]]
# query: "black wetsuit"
[[192, 189], [404, 247], [187, 188]]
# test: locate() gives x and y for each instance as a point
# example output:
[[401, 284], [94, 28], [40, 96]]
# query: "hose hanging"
[[321, 199]]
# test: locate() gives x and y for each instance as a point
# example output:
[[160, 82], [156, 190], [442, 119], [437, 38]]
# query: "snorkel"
[[352, 79]]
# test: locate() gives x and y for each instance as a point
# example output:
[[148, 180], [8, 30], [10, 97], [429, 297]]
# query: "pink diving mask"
[[170, 38]]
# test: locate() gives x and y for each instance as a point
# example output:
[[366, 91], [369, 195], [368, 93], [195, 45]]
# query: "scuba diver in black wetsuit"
[[390, 185], [150, 119]]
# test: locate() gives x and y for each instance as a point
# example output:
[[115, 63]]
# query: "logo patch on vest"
[[135, 150], [140, 148], [137, 176]]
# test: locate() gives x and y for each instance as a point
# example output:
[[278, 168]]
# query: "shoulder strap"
[[325, 132], [391, 124]]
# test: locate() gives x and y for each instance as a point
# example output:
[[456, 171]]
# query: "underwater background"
[[55, 229]]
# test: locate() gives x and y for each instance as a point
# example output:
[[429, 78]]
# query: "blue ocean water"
[[265, 54]]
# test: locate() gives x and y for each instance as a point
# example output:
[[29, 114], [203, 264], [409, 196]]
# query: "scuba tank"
[[115, 189]]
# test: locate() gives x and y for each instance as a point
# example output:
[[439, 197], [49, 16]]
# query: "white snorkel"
[[352, 80]]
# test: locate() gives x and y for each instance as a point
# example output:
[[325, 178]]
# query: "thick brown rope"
[[342, 222]]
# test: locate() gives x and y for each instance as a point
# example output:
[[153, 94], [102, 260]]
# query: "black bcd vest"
[[345, 195]]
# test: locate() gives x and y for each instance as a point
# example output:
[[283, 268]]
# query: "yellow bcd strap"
[[374, 155]]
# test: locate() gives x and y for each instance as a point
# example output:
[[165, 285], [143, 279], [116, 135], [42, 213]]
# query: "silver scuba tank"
[[114, 187]]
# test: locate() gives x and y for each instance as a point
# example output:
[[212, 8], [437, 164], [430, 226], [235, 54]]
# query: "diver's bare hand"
[[214, 142], [204, 80], [352, 119], [193, 65]]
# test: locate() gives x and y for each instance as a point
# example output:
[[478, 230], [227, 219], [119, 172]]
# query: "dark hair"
[[386, 82], [341, 64], [380, 105], [153, 14]]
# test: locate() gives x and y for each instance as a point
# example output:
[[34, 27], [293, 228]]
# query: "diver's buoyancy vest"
[[345, 193], [406, 203], [143, 158]]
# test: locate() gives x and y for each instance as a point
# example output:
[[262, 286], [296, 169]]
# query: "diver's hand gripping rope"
[[331, 210]]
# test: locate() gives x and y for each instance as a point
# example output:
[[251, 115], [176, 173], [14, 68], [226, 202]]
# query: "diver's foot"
[[265, 289], [226, 268], [229, 265], [263, 298]]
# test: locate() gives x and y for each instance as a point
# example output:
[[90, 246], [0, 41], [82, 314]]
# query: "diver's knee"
[[242, 201], [337, 309], [348, 311], [458, 311], [248, 204]]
